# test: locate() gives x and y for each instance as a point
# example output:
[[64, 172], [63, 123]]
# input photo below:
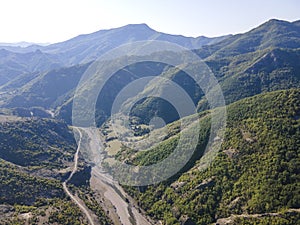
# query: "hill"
[[88, 47], [48, 143], [47, 90], [254, 173], [254, 179], [36, 155], [28, 161], [261, 60], [273, 33], [16, 64]]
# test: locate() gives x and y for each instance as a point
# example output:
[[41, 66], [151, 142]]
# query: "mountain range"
[[88, 47], [253, 180], [263, 59]]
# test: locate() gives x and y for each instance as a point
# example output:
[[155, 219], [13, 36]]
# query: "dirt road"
[[74, 198]]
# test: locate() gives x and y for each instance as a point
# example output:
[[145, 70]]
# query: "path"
[[228, 220], [74, 198]]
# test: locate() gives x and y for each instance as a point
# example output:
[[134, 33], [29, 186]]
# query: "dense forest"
[[256, 172]]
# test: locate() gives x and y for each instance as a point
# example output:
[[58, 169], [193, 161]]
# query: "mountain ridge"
[[256, 171], [82, 49], [266, 35], [240, 74]]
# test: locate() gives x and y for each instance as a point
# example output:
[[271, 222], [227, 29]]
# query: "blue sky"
[[59, 20]]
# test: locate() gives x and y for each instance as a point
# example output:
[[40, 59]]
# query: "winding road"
[[121, 208], [73, 197]]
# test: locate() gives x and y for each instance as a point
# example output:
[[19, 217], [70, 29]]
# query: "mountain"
[[254, 178], [13, 64], [48, 90], [36, 156], [257, 72], [273, 33], [22, 44], [88, 47], [270, 63], [255, 172], [17, 62], [263, 59], [85, 48]]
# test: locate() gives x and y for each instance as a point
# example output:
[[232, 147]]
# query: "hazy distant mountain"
[[261, 60], [88, 47], [22, 44], [48, 89], [14, 64], [16, 60]]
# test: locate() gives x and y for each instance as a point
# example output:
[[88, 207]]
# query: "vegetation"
[[66, 212], [255, 171], [44, 199], [284, 218], [28, 181], [88, 197], [262, 60], [254, 179], [21, 188], [36, 142], [46, 211], [48, 90]]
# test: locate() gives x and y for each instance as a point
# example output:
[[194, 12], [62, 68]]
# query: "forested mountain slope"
[[256, 171], [35, 157], [261, 60], [253, 180]]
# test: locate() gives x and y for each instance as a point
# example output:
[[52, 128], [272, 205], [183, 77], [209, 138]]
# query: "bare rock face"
[[185, 220], [6, 211], [206, 183]]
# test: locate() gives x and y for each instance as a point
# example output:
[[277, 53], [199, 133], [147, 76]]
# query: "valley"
[[59, 167], [114, 198], [75, 167]]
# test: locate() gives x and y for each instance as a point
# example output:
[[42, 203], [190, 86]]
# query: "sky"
[[50, 21]]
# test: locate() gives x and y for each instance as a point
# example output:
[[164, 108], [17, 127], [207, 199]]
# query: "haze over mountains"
[[22, 44], [87, 47], [253, 180], [263, 59]]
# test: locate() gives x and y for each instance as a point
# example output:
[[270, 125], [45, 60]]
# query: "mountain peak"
[[138, 26], [297, 22], [273, 26], [277, 22]]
